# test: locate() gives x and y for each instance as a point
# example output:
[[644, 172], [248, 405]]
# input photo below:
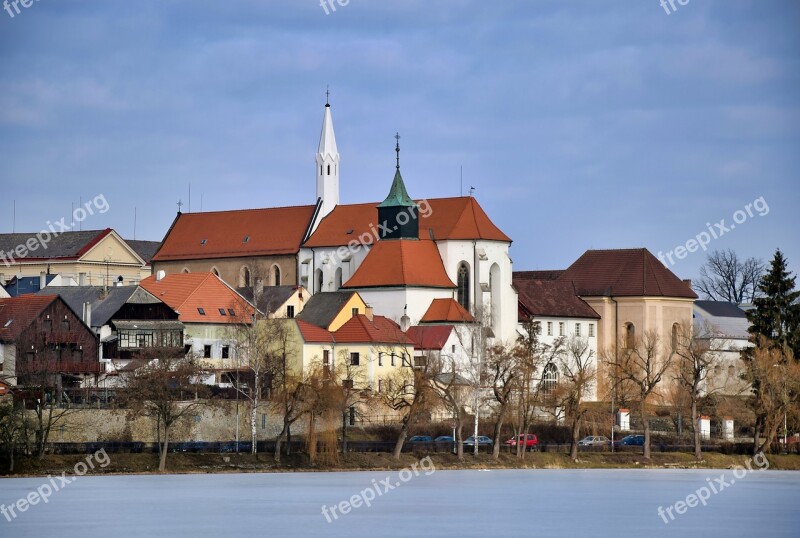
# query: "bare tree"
[[697, 354], [455, 392], [289, 383], [532, 356], [166, 387], [411, 395], [726, 278], [14, 430], [503, 375], [776, 373], [350, 389], [577, 365], [641, 364]]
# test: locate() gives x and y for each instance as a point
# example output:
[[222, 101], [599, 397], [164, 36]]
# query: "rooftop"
[[401, 263]]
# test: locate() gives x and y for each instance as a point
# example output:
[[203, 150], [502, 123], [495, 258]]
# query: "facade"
[[727, 326], [561, 314], [210, 311], [276, 301], [632, 292], [89, 258], [44, 344]]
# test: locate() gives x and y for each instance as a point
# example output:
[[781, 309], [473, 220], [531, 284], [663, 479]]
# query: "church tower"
[[398, 213], [327, 166]]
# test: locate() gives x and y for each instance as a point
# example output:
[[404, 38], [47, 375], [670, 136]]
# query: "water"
[[549, 503]]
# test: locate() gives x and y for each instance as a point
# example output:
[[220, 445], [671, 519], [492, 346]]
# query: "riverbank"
[[261, 463]]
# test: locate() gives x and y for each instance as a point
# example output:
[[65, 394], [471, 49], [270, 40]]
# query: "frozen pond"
[[444, 503]]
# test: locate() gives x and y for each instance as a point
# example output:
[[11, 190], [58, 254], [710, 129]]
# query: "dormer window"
[[203, 241], [201, 311], [246, 239], [222, 312]]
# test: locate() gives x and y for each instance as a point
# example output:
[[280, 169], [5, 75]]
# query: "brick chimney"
[[369, 312]]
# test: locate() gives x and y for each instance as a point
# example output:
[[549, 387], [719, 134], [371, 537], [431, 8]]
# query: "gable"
[[112, 248]]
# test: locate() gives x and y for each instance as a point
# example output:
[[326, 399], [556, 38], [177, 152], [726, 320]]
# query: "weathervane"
[[397, 149]]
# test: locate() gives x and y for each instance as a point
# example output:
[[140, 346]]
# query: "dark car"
[[482, 441], [630, 440], [445, 439], [421, 439]]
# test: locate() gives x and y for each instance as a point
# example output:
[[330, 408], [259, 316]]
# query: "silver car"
[[594, 440]]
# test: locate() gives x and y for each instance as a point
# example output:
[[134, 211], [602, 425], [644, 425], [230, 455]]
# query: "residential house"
[[43, 343], [727, 327]]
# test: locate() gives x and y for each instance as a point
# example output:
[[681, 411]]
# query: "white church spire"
[[327, 164]]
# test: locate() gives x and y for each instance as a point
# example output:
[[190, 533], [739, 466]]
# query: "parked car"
[[444, 439], [630, 440], [482, 441], [594, 440], [530, 440], [420, 439]]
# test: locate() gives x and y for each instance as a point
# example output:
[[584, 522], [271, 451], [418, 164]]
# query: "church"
[[399, 254]]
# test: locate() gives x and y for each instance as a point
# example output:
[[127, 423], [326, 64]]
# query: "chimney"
[[160, 275], [688, 282], [369, 312], [42, 280], [81, 279], [87, 314]]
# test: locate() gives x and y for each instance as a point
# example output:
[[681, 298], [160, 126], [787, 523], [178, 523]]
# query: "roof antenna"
[[134, 223], [397, 149], [461, 187], [190, 199]]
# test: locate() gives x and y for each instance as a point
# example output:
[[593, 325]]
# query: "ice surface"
[[550, 503]]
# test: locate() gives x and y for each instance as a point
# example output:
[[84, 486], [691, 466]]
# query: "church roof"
[[624, 273], [401, 262], [543, 297], [446, 310], [458, 218], [398, 195], [429, 337], [233, 234]]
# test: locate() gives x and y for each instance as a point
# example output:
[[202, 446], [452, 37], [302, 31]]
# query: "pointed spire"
[[398, 195], [327, 139]]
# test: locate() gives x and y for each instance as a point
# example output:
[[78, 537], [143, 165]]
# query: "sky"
[[580, 124]]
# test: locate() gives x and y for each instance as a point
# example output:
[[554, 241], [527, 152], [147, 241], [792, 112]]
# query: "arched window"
[[463, 285], [329, 169], [276, 271], [549, 379], [244, 277], [731, 371], [630, 335], [318, 279], [338, 279], [676, 332]]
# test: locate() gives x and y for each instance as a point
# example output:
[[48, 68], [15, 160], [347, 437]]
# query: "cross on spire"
[[327, 96], [180, 205], [397, 149]]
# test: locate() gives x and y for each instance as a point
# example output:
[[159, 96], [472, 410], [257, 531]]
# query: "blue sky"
[[581, 124]]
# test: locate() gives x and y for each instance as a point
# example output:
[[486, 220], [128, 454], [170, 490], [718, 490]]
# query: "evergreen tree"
[[776, 315]]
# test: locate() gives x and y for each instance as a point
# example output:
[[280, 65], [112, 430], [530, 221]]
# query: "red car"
[[530, 440]]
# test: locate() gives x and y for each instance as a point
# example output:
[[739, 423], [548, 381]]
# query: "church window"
[[463, 285]]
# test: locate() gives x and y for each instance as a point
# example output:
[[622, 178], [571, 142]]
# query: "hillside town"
[[336, 316]]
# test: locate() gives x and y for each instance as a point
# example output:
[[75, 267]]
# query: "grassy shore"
[[218, 463]]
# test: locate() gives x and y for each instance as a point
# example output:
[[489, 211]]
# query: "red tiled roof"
[[271, 231], [381, 330], [187, 292], [448, 218], [401, 262], [312, 333], [429, 336], [442, 310], [538, 275], [550, 298], [624, 273], [17, 313]]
